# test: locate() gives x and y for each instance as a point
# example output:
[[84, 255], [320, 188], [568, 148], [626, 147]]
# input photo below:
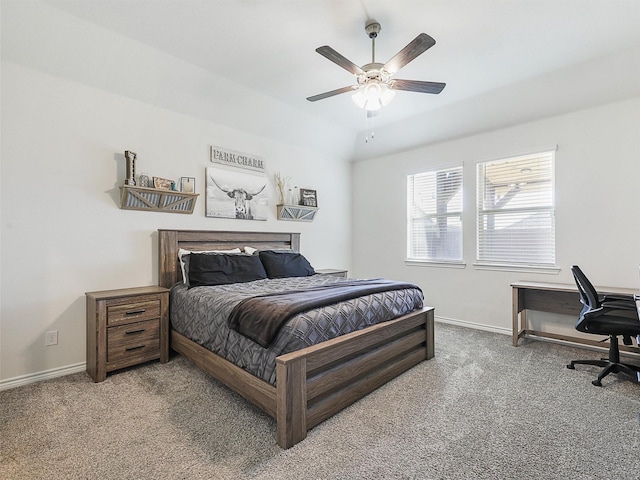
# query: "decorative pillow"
[[215, 269], [182, 254], [250, 250], [285, 264]]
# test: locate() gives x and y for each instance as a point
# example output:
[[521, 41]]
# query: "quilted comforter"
[[201, 314]]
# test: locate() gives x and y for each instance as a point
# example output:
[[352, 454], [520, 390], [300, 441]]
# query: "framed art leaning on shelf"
[[308, 198]]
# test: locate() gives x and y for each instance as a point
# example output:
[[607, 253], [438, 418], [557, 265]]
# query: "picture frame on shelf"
[[308, 198], [162, 183], [187, 184]]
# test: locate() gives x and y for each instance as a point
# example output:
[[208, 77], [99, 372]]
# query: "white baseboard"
[[477, 326], [40, 376], [81, 367]]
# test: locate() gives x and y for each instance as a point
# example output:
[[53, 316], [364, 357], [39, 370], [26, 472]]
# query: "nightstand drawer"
[[133, 312], [133, 343]]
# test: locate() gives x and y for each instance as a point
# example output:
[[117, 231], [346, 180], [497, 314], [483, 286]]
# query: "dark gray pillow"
[[285, 264], [206, 269]]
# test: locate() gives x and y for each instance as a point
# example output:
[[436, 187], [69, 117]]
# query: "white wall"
[[597, 210], [63, 232], [75, 96]]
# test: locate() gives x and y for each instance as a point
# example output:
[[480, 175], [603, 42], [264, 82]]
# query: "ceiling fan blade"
[[417, 86], [417, 46], [339, 60], [338, 91]]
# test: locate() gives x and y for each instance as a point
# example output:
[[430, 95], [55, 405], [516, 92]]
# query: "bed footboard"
[[317, 382]]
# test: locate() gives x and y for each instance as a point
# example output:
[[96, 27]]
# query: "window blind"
[[516, 211], [434, 215]]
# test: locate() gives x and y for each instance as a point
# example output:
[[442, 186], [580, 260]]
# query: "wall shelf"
[[296, 213], [156, 200]]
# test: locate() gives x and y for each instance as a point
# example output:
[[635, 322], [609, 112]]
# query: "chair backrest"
[[588, 294]]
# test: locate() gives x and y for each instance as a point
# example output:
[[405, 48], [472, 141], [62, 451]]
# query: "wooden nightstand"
[[126, 327], [332, 271]]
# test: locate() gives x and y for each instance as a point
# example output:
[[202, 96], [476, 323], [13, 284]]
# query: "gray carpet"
[[481, 409]]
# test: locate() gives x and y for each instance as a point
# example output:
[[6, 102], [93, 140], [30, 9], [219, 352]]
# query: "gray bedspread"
[[201, 314]]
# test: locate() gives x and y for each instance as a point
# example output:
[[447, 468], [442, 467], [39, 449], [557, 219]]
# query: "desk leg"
[[516, 309]]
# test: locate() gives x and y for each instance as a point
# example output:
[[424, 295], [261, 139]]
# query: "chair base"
[[611, 365]]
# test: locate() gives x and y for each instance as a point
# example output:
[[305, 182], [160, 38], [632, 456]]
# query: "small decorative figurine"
[[143, 180]]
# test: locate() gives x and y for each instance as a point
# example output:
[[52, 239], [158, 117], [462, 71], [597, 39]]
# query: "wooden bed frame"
[[316, 382]]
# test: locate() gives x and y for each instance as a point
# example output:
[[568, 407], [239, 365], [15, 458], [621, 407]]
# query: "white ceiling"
[[504, 61]]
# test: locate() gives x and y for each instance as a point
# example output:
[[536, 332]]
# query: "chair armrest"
[[594, 313]]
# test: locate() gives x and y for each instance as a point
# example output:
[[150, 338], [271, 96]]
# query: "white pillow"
[[250, 250], [182, 252]]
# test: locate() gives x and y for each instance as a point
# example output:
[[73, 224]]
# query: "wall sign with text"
[[232, 158]]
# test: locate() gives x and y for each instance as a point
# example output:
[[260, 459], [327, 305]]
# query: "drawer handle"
[[131, 332], [135, 312], [129, 349]]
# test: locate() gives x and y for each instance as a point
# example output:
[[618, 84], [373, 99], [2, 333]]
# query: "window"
[[516, 210], [434, 211]]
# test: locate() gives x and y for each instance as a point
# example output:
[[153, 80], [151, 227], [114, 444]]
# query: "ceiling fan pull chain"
[[369, 126], [366, 127]]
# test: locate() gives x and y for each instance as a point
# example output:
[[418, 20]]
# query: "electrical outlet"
[[51, 338]]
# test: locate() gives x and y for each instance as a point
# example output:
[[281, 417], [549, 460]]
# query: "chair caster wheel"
[[570, 366], [597, 383]]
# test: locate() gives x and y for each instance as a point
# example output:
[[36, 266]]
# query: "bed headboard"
[[170, 241]]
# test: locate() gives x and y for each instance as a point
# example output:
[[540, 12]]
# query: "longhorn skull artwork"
[[242, 194]]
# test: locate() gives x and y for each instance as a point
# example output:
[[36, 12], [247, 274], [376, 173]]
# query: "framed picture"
[[308, 198], [162, 183], [188, 184], [236, 194]]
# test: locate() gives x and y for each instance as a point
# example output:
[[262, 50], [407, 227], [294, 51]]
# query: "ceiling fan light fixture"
[[373, 95], [375, 86]]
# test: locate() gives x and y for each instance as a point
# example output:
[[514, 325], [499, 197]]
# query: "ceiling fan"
[[375, 86]]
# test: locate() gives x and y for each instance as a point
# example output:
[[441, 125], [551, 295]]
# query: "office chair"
[[613, 316]]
